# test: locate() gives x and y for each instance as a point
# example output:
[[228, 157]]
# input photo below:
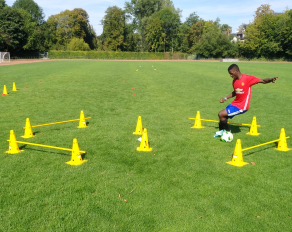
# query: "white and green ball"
[[227, 137]]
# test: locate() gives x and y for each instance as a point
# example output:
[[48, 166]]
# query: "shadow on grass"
[[234, 128], [51, 152], [259, 150]]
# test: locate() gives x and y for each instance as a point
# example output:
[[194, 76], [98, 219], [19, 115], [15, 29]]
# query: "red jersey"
[[242, 89]]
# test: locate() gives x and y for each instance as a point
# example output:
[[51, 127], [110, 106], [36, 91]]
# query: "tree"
[[2, 4], [261, 35], [32, 8], [284, 32], [13, 35], [195, 34], [214, 43], [184, 35], [141, 10], [155, 33], [171, 23], [192, 19], [113, 28], [65, 26]]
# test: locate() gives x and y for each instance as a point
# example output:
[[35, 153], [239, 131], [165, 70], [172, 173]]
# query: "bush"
[[78, 45], [115, 55]]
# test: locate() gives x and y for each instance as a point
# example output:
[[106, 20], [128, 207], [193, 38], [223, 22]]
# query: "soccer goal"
[[4, 57]]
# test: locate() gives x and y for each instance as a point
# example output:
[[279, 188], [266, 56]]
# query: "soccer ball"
[[227, 137]]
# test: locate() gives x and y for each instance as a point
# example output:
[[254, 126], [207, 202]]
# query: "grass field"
[[184, 184]]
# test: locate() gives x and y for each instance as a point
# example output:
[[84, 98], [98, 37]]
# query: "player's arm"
[[227, 97], [268, 80]]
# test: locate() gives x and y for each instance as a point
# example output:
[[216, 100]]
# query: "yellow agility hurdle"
[[28, 127], [253, 126], [237, 159], [76, 158]]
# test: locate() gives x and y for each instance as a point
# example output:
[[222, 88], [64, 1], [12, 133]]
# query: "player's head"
[[233, 66], [234, 71]]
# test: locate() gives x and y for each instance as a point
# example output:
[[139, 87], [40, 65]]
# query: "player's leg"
[[223, 119]]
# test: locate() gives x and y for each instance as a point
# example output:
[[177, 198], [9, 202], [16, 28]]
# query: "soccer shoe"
[[219, 133]]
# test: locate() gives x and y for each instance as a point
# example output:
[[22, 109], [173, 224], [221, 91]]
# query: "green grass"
[[184, 184]]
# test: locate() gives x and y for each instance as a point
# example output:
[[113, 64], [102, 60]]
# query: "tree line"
[[144, 26]]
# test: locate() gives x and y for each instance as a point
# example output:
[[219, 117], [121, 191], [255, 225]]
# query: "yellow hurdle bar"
[[53, 123], [235, 123], [41, 145], [262, 144]]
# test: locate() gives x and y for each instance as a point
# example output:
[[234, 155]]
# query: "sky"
[[233, 13]]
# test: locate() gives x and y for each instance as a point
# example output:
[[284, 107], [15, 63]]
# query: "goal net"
[[4, 57]]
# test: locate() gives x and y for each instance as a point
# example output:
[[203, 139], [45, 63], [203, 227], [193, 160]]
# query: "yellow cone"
[[198, 123], [27, 130], [237, 159], [282, 144], [5, 90], [76, 158], [144, 145], [14, 87], [82, 122], [253, 130], [13, 146], [139, 128]]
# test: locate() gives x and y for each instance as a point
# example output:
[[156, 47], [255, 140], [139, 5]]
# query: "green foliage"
[[115, 55], [68, 25], [155, 33], [210, 41], [284, 32], [192, 19], [13, 29], [2, 4], [194, 35], [261, 38], [77, 45], [32, 8], [113, 29]]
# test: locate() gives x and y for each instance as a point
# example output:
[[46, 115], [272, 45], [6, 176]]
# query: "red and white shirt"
[[242, 89]]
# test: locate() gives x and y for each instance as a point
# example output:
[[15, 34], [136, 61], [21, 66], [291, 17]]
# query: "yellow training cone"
[[237, 159], [14, 87], [144, 145], [76, 158], [198, 124], [13, 146], [82, 122], [253, 130], [282, 144], [139, 128], [4, 90], [27, 130]]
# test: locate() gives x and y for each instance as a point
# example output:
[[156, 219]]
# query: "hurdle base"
[[288, 149], [144, 149], [198, 127], [82, 126], [12, 153], [76, 163], [237, 164], [27, 137], [248, 133]]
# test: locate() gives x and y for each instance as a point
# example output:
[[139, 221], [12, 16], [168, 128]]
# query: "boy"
[[242, 91]]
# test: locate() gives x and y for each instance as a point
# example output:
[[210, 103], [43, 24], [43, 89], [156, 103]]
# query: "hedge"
[[116, 55]]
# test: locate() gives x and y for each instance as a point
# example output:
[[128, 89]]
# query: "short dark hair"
[[233, 66]]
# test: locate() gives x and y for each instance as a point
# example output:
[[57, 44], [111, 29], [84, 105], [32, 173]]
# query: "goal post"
[[4, 57]]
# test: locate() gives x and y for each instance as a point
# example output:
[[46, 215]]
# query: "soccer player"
[[242, 91]]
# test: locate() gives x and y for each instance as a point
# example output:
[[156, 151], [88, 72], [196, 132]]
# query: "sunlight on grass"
[[183, 184]]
